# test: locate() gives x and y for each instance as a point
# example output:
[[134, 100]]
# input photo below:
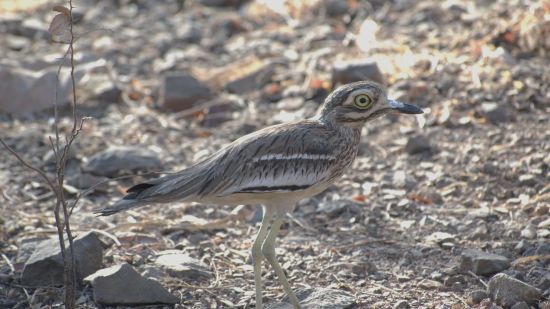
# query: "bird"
[[275, 167]]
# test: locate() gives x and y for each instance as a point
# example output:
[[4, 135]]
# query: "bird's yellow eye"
[[362, 101]]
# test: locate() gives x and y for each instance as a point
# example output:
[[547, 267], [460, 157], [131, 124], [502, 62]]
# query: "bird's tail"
[[166, 189], [118, 207]]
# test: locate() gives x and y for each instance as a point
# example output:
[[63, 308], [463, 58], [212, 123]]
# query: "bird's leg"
[[268, 250], [257, 255]]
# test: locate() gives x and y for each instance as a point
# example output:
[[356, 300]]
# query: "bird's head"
[[356, 103]]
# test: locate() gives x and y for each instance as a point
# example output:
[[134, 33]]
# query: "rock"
[[220, 2], [483, 263], [188, 32], [85, 181], [543, 249], [112, 161], [103, 89], [314, 298], [24, 252], [520, 305], [178, 264], [542, 210], [428, 284], [441, 237], [336, 8], [544, 223], [336, 208], [417, 144], [33, 28], [507, 291], [253, 79], [344, 72], [528, 180], [45, 266], [477, 296], [522, 246], [529, 232], [180, 91], [402, 304], [111, 286], [152, 272], [17, 43], [27, 91], [400, 179], [495, 113]]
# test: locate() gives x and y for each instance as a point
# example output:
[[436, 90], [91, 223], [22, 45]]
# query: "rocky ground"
[[446, 210]]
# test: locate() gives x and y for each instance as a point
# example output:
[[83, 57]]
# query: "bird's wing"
[[286, 157]]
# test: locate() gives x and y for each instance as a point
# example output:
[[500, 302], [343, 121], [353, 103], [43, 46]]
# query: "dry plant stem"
[[69, 274], [62, 224]]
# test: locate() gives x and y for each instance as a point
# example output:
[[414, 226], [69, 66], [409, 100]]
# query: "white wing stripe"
[[300, 156]]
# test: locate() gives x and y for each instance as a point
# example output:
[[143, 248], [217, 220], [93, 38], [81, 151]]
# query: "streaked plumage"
[[276, 166]]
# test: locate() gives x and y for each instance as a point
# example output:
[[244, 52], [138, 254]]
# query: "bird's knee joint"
[[268, 252], [256, 253]]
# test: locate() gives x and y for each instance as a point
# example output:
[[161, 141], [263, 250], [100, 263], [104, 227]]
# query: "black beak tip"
[[413, 110], [405, 108]]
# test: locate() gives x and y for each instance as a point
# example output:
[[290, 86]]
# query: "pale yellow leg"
[[268, 250], [257, 255]]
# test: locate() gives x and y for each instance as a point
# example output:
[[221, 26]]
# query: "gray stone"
[[440, 237], [85, 181], [17, 43], [522, 246], [496, 113], [336, 8], [402, 304], [45, 266], [178, 264], [318, 298], [220, 2], [114, 160], [103, 89], [527, 180], [28, 91], [417, 144], [477, 296], [483, 263], [507, 291], [429, 284], [337, 207], [152, 272], [543, 249], [344, 72], [400, 179], [252, 81], [180, 91], [520, 305], [122, 285], [33, 28]]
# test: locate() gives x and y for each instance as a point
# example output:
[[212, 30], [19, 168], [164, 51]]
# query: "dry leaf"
[[62, 9], [530, 259], [60, 25], [360, 198], [421, 199]]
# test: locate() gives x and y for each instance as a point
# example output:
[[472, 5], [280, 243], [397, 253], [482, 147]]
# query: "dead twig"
[[478, 279], [10, 264]]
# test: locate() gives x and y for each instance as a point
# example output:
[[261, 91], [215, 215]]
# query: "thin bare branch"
[[28, 165]]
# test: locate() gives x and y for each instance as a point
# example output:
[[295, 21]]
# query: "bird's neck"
[[345, 127]]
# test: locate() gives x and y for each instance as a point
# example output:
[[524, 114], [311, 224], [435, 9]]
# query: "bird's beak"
[[404, 108]]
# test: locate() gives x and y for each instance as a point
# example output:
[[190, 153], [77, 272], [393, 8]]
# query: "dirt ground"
[[470, 173]]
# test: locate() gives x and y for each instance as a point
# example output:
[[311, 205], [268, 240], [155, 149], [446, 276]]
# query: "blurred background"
[[168, 82]]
